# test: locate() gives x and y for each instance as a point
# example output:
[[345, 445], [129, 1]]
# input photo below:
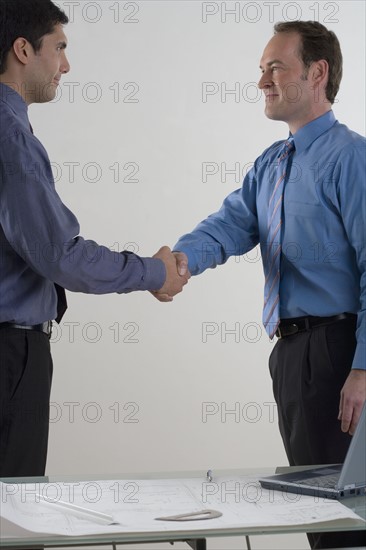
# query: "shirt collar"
[[311, 131], [14, 101]]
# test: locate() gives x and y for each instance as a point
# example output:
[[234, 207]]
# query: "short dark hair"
[[30, 19], [317, 42]]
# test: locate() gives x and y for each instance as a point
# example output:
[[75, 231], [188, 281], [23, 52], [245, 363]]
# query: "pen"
[[209, 475], [83, 513]]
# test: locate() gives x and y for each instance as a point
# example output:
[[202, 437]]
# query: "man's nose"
[[265, 81], [65, 65]]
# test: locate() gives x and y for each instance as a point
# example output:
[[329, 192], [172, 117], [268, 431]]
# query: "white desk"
[[195, 535]]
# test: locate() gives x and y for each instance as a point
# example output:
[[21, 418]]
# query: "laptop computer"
[[335, 481]]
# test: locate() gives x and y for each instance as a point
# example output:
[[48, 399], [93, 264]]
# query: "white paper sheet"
[[135, 505]]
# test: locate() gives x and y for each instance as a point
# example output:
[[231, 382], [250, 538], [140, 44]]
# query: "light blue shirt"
[[323, 263]]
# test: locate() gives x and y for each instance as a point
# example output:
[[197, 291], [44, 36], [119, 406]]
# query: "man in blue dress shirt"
[[318, 363], [42, 252]]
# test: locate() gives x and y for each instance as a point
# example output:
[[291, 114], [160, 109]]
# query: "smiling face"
[[45, 68], [292, 92]]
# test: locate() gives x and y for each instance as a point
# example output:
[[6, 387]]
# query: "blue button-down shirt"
[[39, 237], [323, 263]]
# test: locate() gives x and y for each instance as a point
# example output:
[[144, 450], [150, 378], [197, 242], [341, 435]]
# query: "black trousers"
[[308, 371], [25, 386]]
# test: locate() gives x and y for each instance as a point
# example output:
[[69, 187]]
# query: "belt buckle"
[[48, 328], [279, 333], [288, 330]]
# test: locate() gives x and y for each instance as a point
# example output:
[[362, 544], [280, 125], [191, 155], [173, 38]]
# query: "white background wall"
[[129, 135]]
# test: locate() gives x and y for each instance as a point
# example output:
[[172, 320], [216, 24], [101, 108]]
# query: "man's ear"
[[319, 76], [23, 50], [320, 72]]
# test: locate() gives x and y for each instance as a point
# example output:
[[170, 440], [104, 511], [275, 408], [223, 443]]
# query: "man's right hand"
[[177, 274]]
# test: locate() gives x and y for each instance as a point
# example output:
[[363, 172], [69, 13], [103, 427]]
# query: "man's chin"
[[48, 93], [272, 115]]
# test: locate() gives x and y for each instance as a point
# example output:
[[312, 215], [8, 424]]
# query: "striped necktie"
[[272, 258]]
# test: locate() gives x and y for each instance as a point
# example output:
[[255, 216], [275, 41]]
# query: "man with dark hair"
[[304, 202], [41, 249], [31, 20]]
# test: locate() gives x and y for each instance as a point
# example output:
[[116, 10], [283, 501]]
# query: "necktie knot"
[[287, 148], [290, 144]]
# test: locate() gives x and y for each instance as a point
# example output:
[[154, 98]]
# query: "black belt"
[[288, 327], [42, 327]]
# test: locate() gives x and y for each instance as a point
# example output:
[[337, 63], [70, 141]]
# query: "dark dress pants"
[[308, 371], [25, 386]]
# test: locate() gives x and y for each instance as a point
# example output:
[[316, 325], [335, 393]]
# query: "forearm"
[[232, 231]]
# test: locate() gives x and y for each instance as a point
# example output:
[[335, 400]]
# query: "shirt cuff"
[[154, 274], [192, 263], [359, 360]]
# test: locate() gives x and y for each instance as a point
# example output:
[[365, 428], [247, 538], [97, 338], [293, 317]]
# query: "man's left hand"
[[353, 396]]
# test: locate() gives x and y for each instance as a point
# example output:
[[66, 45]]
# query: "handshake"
[[177, 274]]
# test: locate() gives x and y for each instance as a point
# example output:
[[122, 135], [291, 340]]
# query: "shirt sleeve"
[[347, 189], [45, 233], [232, 231]]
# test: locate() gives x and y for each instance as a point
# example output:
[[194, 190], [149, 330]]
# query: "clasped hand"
[[177, 274]]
